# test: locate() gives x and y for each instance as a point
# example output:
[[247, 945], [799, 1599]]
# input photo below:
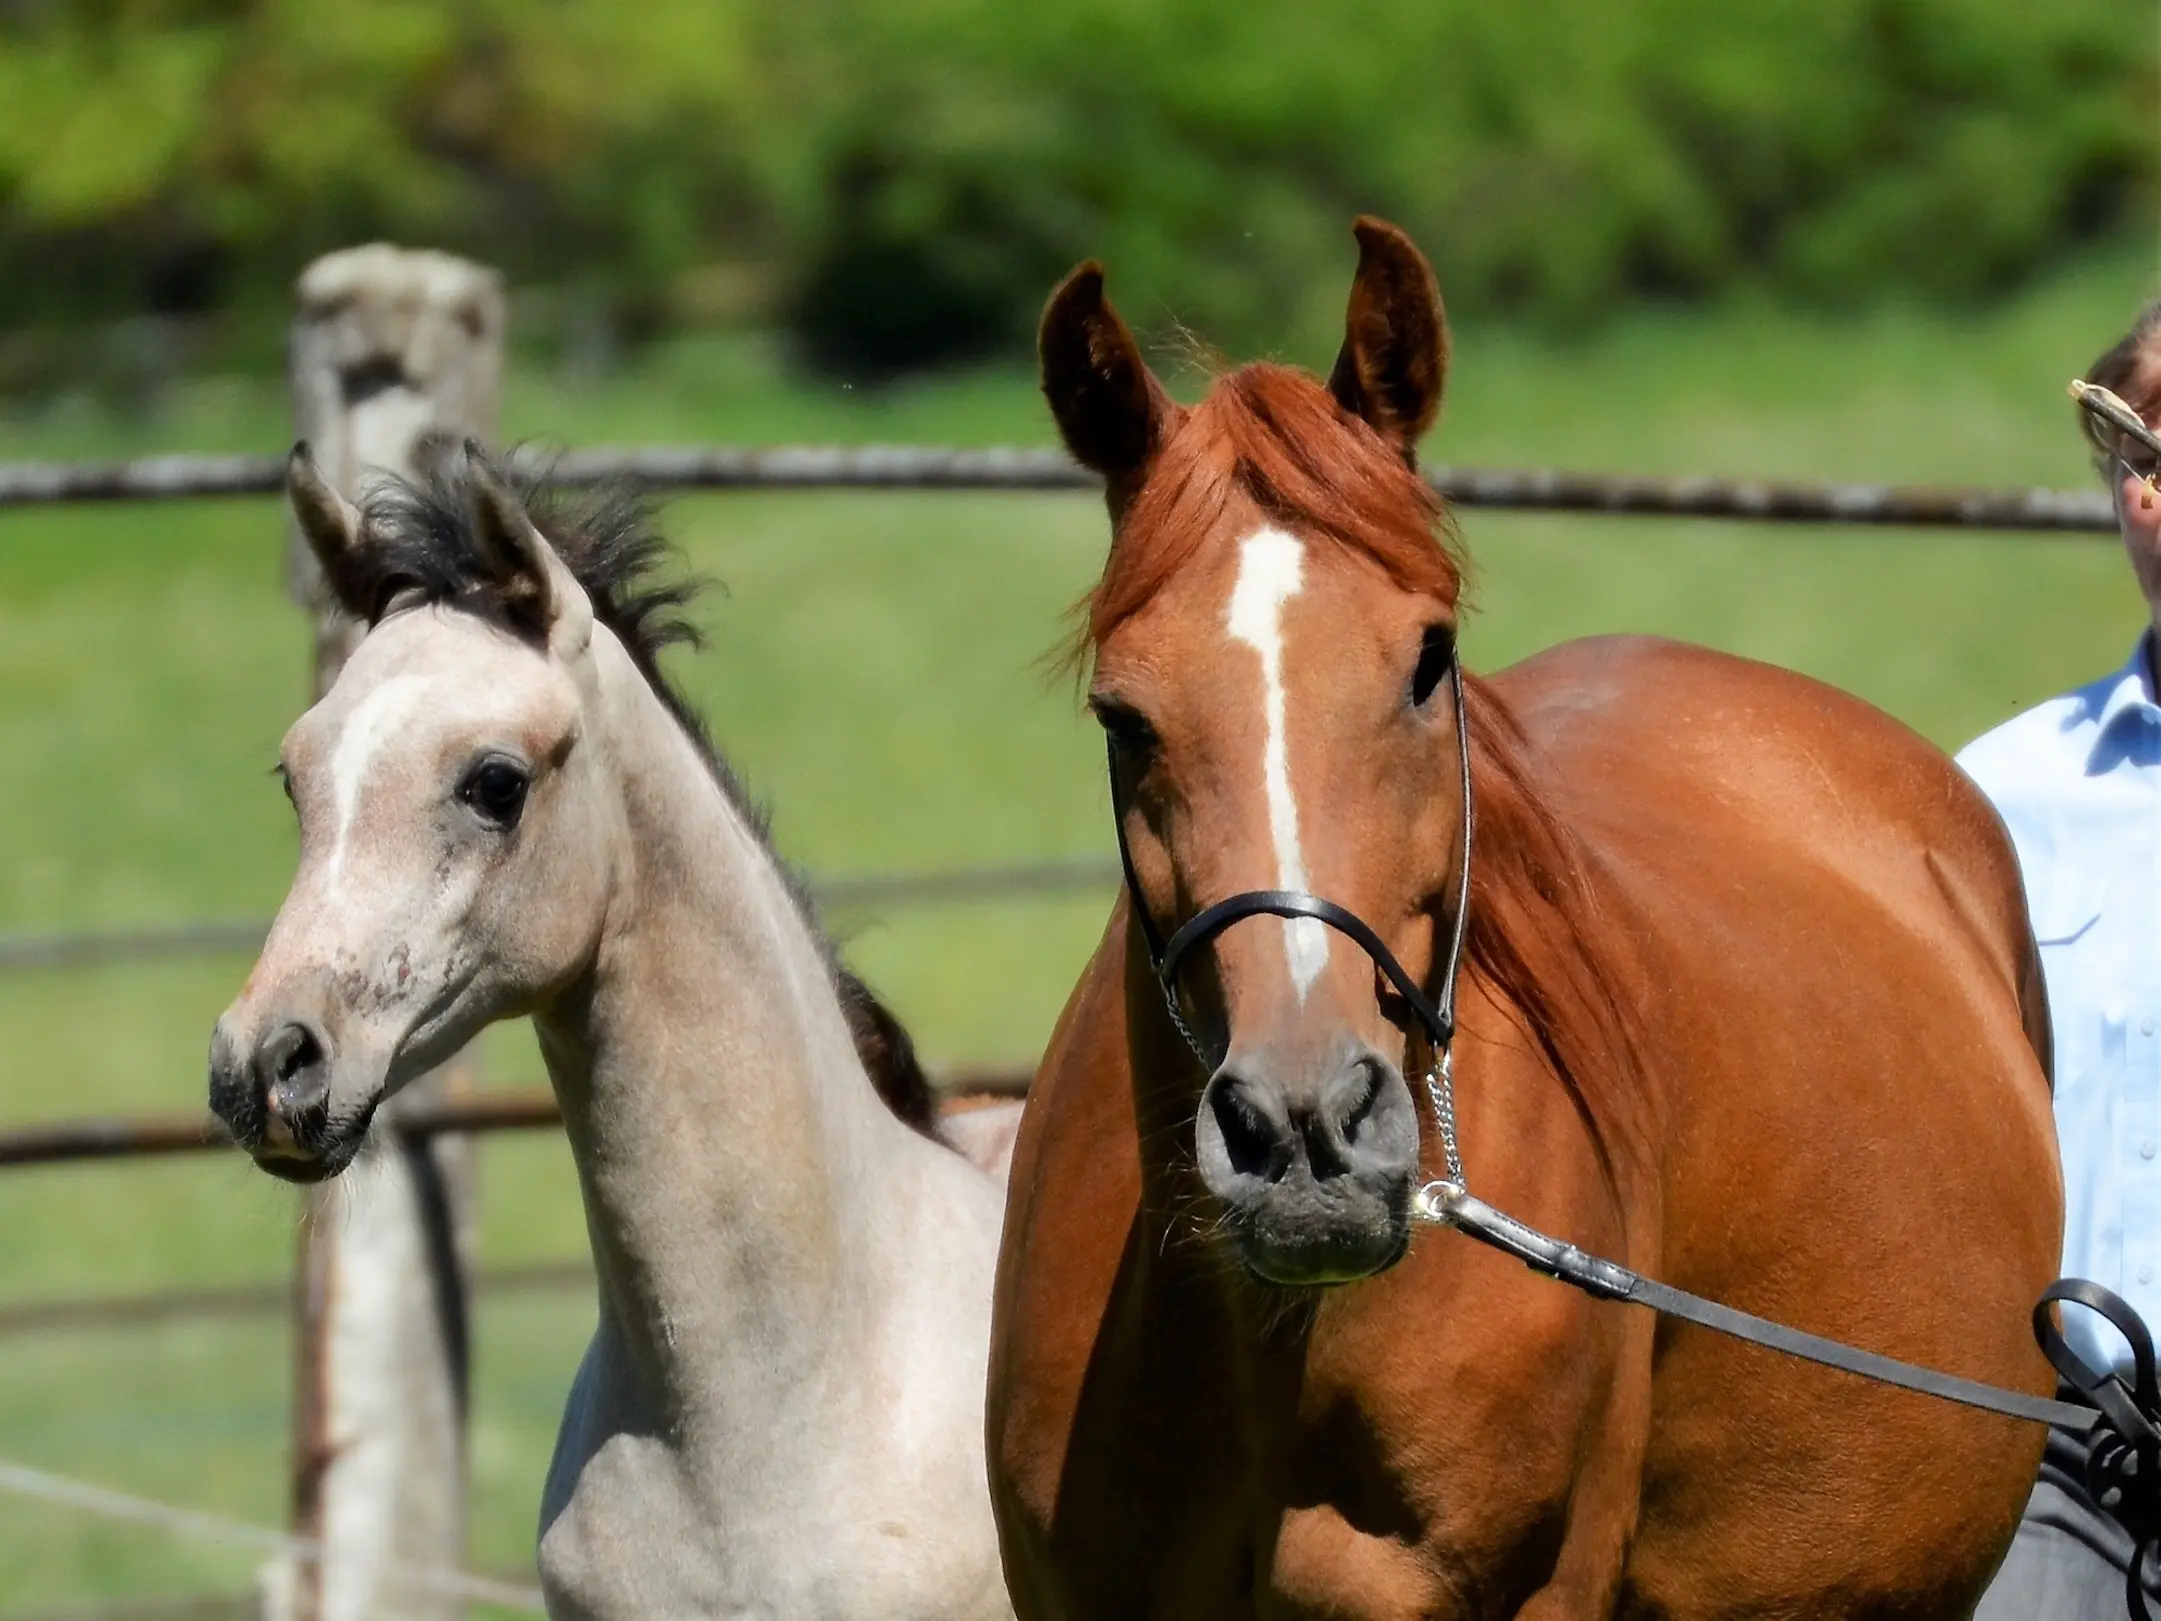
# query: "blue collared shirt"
[[2077, 781]]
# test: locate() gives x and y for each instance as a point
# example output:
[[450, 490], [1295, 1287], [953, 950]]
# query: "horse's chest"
[[1323, 1563], [1434, 1488], [628, 1540], [1344, 1528]]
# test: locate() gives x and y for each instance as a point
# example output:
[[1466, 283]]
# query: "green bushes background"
[[897, 181]]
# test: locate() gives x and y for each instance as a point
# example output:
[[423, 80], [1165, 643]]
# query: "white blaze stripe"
[[374, 721], [1271, 570]]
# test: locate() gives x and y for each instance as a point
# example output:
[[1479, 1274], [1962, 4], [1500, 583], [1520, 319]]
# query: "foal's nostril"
[[1253, 1143], [290, 1050], [291, 1072]]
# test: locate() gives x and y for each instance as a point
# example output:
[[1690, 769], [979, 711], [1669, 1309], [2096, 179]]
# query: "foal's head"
[[459, 826], [1272, 642]]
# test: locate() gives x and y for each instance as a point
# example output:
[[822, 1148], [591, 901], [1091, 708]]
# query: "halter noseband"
[[1437, 1014]]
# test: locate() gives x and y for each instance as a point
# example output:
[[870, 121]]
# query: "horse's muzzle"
[[272, 1091], [1315, 1180]]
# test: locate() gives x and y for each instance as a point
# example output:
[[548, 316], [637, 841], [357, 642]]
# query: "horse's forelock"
[[1274, 436]]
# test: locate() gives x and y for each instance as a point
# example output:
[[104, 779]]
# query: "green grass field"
[[875, 670]]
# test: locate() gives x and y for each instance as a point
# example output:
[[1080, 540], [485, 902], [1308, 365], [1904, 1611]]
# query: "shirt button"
[[2145, 1025], [2145, 1274], [2147, 1149]]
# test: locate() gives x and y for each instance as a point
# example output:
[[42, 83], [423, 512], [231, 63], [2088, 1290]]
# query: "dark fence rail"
[[231, 1607], [88, 948], [243, 1300], [916, 467], [68, 1142]]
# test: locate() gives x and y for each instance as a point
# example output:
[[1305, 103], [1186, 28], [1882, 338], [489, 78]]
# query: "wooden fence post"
[[387, 344]]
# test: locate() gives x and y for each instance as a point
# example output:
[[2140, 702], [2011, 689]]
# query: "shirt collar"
[[2133, 691]]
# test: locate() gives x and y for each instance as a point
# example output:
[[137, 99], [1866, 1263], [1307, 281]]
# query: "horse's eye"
[[495, 789], [1127, 728], [1436, 656]]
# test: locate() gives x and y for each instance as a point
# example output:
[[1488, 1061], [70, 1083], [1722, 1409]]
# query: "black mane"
[[420, 541]]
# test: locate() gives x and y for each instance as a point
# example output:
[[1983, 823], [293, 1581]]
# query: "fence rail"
[[91, 948], [145, 1136], [243, 1300], [921, 467]]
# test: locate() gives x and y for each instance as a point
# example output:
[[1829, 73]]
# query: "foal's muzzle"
[[272, 1091], [1315, 1179]]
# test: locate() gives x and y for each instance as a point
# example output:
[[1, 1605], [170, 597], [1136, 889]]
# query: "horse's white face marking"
[[1271, 570], [375, 720]]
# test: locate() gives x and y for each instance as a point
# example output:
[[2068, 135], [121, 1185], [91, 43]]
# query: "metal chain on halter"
[[1441, 1072], [1185, 1031], [1441, 1091]]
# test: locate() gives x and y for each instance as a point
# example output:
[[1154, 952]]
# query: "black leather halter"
[[1435, 1014]]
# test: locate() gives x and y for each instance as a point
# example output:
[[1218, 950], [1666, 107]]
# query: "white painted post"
[[388, 344]]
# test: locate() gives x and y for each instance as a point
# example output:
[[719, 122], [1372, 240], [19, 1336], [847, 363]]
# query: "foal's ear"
[[328, 522], [1394, 359], [1110, 410], [537, 585]]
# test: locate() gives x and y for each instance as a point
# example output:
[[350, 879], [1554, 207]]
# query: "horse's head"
[[1273, 641], [456, 830]]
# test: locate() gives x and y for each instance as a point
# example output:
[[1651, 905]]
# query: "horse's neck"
[[729, 1146]]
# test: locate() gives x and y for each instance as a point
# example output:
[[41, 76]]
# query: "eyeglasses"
[[2119, 434]]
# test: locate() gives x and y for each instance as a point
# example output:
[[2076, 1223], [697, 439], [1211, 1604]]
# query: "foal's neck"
[[729, 1145]]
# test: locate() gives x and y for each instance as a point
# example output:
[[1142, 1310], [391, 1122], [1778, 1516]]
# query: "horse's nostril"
[[292, 1050], [1358, 1103], [290, 1068], [1367, 1123], [1251, 1142]]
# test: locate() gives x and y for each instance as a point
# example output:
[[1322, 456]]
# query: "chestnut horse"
[[1750, 1003]]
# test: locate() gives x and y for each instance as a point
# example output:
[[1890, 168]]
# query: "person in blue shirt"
[[2077, 781]]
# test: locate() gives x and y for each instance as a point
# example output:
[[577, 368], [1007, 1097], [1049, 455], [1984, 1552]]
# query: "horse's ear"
[[328, 522], [1394, 359], [537, 585], [1110, 410]]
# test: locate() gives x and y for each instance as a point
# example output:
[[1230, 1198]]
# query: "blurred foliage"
[[900, 180]]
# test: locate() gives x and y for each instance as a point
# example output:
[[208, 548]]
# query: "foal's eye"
[[495, 789], [1436, 655]]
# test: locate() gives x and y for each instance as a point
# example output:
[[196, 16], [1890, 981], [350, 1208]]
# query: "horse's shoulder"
[[1664, 718], [1074, 1184], [1650, 686], [1677, 761]]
